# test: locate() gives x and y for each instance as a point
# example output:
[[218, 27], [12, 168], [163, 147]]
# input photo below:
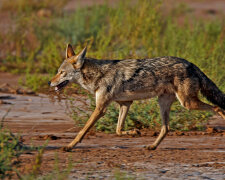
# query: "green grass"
[[37, 45]]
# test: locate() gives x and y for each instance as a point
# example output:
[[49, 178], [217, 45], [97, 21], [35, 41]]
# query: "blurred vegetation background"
[[35, 35], [33, 39]]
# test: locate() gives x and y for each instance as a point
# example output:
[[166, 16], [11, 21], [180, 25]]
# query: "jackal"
[[124, 81]]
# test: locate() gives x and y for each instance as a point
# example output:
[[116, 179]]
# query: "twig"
[[3, 118], [70, 129]]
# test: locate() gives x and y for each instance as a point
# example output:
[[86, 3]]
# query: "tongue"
[[56, 88]]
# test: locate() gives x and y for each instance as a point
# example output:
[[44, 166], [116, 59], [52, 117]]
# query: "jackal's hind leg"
[[165, 102], [193, 103], [214, 109], [124, 108]]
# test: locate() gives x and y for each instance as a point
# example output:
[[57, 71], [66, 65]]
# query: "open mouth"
[[61, 85]]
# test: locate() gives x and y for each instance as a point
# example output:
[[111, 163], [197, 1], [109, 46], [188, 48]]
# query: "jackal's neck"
[[90, 75]]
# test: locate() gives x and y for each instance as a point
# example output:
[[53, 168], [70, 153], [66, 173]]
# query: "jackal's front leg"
[[98, 113], [124, 108]]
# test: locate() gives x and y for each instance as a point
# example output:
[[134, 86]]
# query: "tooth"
[[56, 88]]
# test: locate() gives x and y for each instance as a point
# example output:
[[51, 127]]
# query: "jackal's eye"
[[63, 73]]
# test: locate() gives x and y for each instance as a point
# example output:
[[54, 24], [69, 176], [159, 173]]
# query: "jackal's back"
[[132, 77]]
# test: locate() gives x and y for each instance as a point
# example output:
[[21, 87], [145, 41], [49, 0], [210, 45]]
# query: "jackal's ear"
[[80, 58], [69, 51], [82, 54]]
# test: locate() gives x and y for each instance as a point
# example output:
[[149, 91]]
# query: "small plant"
[[10, 150]]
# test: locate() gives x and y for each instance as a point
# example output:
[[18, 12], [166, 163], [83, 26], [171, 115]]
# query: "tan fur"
[[55, 78]]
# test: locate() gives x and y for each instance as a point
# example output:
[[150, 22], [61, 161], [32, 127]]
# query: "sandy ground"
[[189, 155]]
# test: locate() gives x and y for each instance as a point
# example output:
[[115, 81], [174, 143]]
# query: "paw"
[[66, 149], [219, 111], [222, 114], [151, 147], [135, 132]]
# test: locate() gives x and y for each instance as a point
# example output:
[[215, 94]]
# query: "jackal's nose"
[[49, 82]]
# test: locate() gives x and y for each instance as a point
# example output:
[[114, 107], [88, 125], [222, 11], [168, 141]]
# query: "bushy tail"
[[210, 90]]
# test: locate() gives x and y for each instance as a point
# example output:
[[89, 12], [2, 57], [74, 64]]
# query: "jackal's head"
[[69, 69]]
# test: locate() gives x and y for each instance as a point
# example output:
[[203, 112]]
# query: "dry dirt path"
[[102, 156]]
